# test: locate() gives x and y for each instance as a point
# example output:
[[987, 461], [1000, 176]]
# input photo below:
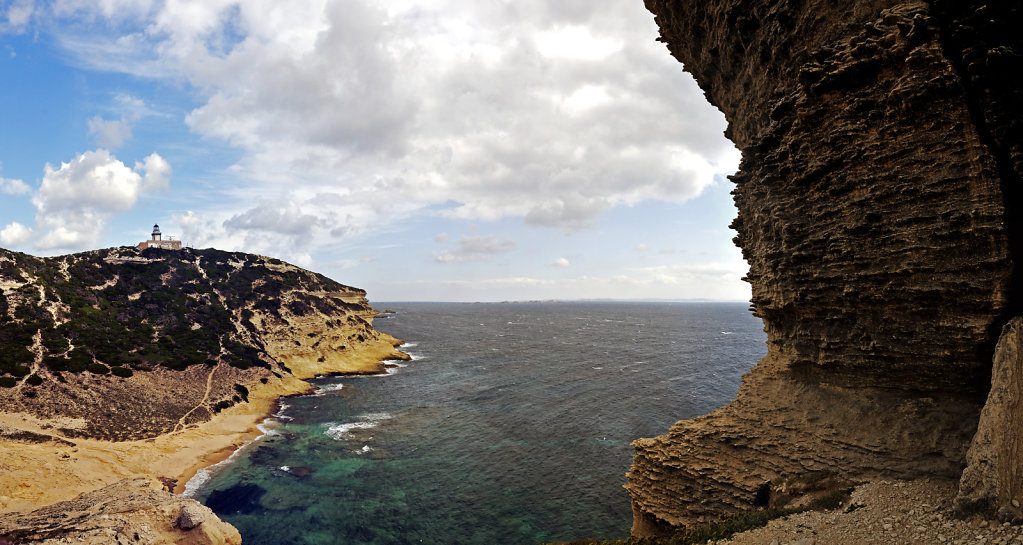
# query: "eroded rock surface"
[[128, 511], [993, 480], [878, 210]]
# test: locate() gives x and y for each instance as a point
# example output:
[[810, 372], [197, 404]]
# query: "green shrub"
[[8, 382], [98, 368], [122, 372], [34, 380]]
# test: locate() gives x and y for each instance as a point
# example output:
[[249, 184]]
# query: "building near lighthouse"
[[157, 241]]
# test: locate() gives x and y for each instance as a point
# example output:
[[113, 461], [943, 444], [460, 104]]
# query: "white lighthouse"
[[157, 241]]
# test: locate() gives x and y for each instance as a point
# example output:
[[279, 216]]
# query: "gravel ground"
[[886, 513]]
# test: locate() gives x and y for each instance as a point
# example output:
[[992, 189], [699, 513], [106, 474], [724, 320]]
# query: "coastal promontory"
[[128, 363]]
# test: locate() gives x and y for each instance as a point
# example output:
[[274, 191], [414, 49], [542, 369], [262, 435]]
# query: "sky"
[[422, 150]]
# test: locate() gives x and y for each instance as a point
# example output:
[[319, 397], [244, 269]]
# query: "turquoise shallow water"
[[512, 425]]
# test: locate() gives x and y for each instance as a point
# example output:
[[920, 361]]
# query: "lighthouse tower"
[[157, 241]]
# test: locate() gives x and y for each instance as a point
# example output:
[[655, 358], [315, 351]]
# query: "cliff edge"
[[879, 211]]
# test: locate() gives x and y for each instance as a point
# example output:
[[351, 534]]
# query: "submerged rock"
[[238, 499]]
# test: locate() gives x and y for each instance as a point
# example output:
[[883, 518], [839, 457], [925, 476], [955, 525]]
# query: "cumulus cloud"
[[15, 234], [475, 249], [561, 262], [76, 200], [547, 111]]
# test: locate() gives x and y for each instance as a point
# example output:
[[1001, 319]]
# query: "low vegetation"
[[118, 311]]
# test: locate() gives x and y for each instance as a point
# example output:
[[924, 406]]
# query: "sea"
[[511, 425]]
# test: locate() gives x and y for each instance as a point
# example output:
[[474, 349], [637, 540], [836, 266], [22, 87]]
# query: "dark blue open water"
[[511, 426]]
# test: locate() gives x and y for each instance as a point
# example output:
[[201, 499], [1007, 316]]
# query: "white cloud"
[[576, 42], [156, 173], [110, 134], [76, 200], [14, 187], [94, 179], [17, 16], [561, 262], [475, 249], [548, 111], [288, 220], [15, 234]]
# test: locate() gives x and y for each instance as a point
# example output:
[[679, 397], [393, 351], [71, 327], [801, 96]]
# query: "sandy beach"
[[55, 468]]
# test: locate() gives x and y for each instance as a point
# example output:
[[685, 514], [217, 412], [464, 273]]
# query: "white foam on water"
[[323, 390], [204, 475], [279, 415], [343, 431], [266, 431]]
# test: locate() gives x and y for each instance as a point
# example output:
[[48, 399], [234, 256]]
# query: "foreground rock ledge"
[[129, 511], [878, 197]]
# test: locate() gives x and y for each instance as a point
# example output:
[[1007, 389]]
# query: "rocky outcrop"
[[128, 511], [993, 479], [878, 201]]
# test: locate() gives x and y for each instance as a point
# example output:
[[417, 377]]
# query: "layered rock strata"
[[878, 211]]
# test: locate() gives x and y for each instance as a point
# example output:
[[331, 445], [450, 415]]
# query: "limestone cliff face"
[[878, 202]]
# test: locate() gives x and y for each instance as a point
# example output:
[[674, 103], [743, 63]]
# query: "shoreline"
[[34, 474], [225, 454]]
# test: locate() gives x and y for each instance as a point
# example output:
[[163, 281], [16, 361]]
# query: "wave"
[[323, 390], [343, 431]]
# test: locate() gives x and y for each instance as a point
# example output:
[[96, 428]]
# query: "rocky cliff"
[[879, 211]]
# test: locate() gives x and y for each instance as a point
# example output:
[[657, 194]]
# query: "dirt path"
[[203, 403], [886, 513]]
